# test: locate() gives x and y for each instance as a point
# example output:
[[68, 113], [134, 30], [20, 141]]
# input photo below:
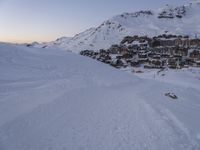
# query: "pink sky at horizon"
[[24, 21]]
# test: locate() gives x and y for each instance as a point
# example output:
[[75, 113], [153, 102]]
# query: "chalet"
[[172, 63], [167, 42], [151, 54], [195, 42], [157, 56], [88, 53], [161, 50], [129, 39], [134, 52], [136, 42], [155, 43], [103, 52], [155, 63], [118, 63], [133, 63], [188, 61], [104, 58], [164, 40], [142, 44], [182, 42], [143, 60], [117, 49], [178, 57], [195, 54], [143, 55], [165, 55], [181, 51], [126, 56]]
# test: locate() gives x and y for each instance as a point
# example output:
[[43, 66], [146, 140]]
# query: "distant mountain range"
[[181, 20]]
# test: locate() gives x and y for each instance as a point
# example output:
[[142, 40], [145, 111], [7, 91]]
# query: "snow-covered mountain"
[[182, 20]]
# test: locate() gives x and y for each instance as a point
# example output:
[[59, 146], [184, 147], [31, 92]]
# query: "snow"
[[186, 77], [56, 100], [141, 23]]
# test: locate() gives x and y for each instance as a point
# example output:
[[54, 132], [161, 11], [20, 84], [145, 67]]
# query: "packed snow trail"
[[54, 100]]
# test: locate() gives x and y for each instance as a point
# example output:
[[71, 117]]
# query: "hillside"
[[56, 100], [181, 20]]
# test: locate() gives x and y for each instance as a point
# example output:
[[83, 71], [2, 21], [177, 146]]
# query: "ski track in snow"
[[76, 103]]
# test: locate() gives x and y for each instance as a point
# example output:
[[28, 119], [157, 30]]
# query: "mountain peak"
[[181, 20]]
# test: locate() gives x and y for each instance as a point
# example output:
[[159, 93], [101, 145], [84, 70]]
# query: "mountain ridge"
[[182, 20]]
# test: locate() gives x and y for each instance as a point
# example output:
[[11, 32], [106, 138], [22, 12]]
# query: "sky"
[[45, 20]]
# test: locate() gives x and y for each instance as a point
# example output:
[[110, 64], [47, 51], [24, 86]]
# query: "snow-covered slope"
[[56, 100], [182, 20]]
